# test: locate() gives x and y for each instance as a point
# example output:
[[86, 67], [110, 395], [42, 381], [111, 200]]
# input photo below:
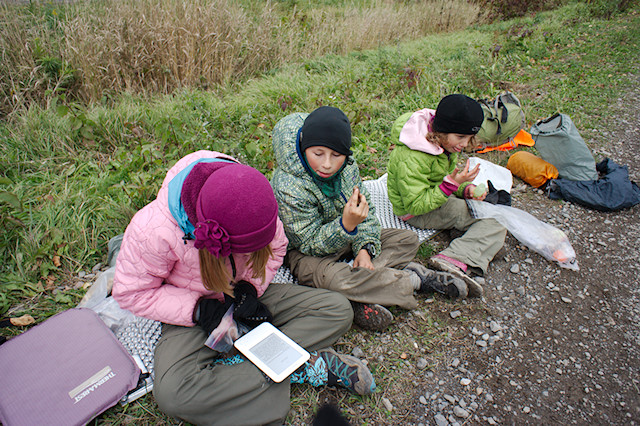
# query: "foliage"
[[507, 9], [89, 50]]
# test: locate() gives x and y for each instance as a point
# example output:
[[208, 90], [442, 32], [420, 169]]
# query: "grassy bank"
[[73, 175], [93, 50]]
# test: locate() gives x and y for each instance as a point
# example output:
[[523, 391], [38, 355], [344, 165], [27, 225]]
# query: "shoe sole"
[[474, 289], [378, 322], [366, 384]]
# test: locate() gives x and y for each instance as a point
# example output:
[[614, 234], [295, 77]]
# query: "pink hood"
[[158, 272], [414, 132]]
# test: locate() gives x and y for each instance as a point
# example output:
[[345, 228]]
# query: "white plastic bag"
[[500, 177], [546, 240]]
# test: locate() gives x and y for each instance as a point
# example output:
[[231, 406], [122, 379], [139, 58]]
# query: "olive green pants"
[[479, 244], [387, 284], [188, 386]]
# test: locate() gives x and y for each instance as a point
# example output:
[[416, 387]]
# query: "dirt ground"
[[561, 347], [546, 345]]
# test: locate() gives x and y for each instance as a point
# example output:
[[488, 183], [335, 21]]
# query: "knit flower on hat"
[[210, 235]]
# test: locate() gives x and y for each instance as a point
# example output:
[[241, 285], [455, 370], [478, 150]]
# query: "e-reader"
[[272, 351]]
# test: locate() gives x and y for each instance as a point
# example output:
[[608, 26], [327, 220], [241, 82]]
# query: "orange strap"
[[522, 138]]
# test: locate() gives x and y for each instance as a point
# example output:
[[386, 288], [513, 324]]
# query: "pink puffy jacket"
[[158, 273]]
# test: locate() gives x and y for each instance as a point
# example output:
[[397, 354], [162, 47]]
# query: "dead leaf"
[[22, 321], [50, 282], [403, 355], [56, 261]]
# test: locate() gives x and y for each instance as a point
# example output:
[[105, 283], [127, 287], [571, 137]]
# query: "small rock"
[[465, 382], [387, 404], [565, 299], [449, 398], [96, 268], [455, 363], [460, 412], [515, 268], [495, 327], [440, 420], [482, 343], [357, 352], [455, 314], [421, 363], [423, 400]]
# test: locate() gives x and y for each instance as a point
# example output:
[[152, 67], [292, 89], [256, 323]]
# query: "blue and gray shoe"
[[348, 371]]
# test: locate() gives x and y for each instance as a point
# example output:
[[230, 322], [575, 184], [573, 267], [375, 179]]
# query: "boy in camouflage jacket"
[[329, 220]]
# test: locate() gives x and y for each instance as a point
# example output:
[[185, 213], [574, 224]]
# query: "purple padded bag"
[[64, 371]]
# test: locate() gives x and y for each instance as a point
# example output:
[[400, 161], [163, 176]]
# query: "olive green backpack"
[[503, 119]]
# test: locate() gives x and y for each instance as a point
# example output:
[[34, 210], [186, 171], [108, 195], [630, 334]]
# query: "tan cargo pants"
[[387, 284]]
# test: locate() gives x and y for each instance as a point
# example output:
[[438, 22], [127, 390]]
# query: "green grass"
[[73, 174]]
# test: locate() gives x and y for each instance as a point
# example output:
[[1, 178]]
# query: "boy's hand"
[[363, 260], [465, 175], [355, 211]]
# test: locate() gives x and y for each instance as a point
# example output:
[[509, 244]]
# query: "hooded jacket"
[[417, 167], [158, 270], [312, 221]]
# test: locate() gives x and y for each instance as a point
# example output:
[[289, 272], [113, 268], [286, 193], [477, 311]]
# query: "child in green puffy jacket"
[[427, 189]]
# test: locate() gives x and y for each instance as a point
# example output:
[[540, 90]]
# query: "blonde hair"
[[439, 139], [215, 275]]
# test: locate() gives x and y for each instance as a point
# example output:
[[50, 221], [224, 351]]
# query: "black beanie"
[[458, 114], [327, 126]]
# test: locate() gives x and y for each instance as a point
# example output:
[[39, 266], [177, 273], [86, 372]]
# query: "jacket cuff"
[[449, 186], [354, 232]]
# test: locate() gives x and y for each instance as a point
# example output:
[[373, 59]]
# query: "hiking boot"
[[371, 316], [348, 371], [438, 282], [474, 288], [501, 254]]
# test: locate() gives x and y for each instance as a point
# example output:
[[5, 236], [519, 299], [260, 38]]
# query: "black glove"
[[249, 309], [211, 313]]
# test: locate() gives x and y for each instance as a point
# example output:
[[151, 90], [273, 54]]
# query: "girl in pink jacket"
[[210, 241]]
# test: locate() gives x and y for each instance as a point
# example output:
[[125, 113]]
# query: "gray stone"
[[440, 420], [460, 412]]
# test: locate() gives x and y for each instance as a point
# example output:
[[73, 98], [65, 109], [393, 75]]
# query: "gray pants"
[[479, 244], [189, 387], [387, 284]]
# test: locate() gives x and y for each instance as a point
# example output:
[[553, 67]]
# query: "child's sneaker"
[[446, 264], [348, 371], [371, 316], [438, 282]]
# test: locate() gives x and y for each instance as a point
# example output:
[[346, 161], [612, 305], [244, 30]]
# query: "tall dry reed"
[[156, 46]]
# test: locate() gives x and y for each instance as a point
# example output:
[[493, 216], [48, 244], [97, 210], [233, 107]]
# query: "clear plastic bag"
[[546, 240], [228, 331], [99, 300]]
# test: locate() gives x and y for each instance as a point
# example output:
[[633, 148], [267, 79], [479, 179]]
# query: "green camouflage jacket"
[[312, 220]]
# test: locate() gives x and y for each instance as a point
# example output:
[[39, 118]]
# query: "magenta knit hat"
[[236, 210]]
